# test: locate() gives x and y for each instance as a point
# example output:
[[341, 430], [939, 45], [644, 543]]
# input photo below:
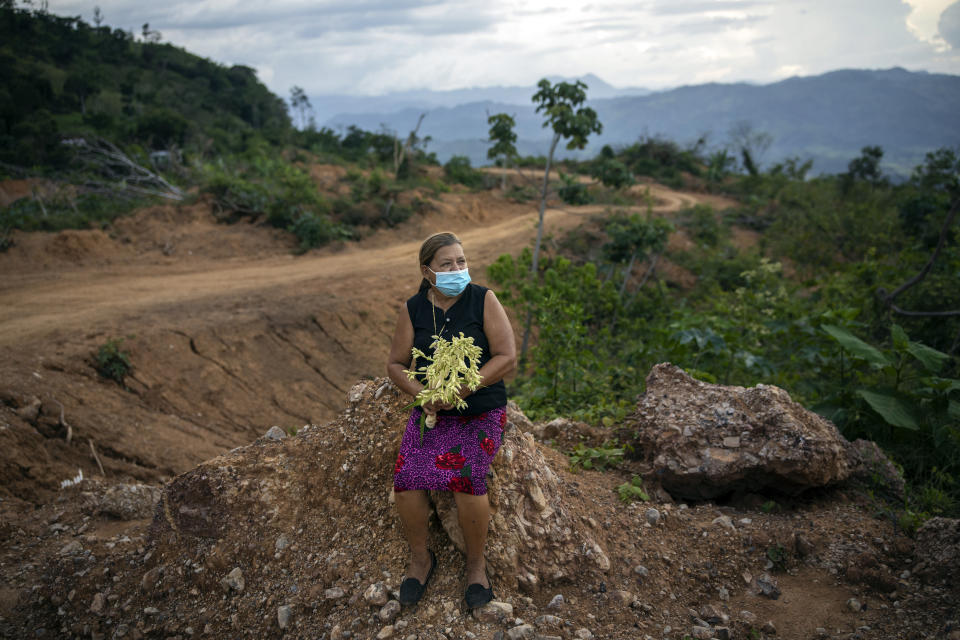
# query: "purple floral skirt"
[[454, 456]]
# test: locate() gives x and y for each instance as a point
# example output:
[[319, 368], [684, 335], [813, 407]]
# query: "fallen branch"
[[115, 165]]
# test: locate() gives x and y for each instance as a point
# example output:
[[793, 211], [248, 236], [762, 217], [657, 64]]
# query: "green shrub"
[[633, 490], [111, 362], [316, 230], [458, 170], [599, 458]]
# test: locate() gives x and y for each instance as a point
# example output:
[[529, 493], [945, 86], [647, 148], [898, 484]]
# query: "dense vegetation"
[[812, 306]]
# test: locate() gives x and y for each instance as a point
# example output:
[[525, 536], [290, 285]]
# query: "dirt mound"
[[298, 535]]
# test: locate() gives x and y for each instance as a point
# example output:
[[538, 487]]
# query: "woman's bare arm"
[[503, 346], [400, 354]]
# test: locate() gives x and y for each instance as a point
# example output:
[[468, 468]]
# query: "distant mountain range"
[[826, 118]]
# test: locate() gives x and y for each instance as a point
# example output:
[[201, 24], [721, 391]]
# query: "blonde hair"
[[430, 247]]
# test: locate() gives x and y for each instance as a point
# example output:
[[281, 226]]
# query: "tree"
[[97, 16], [401, 152], [562, 110], [83, 83], [151, 36], [300, 104], [504, 137], [751, 143]]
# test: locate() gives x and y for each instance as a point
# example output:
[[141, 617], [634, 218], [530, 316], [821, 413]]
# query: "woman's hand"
[[431, 408]]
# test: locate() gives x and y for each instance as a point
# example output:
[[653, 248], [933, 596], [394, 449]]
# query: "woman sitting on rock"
[[456, 453]]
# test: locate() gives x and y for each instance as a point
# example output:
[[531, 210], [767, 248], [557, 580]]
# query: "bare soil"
[[230, 333]]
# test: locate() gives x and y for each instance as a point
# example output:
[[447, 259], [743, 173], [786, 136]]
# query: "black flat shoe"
[[477, 595], [411, 590]]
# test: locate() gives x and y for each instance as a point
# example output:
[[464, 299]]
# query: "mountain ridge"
[[827, 118]]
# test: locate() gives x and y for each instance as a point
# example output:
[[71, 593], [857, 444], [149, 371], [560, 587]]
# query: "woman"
[[455, 454]]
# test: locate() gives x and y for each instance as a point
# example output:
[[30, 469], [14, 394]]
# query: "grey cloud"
[[949, 25], [713, 25], [702, 6]]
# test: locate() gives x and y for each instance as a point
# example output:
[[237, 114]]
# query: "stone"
[[521, 632], [275, 433], [621, 597], [150, 579], [878, 473], [556, 602], [494, 611], [725, 522], [782, 445], [769, 627], [334, 593], [748, 617], [938, 550], [803, 546], [583, 634], [548, 621], [721, 633], [376, 594], [284, 613], [653, 516], [386, 632], [356, 392], [282, 542], [233, 581], [854, 605], [73, 546], [96, 606], [389, 612], [767, 587], [129, 501], [701, 633], [711, 614], [641, 571]]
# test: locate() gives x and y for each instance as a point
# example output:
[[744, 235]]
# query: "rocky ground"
[[191, 522], [297, 537]]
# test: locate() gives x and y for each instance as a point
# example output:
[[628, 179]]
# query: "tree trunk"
[[536, 247], [626, 273]]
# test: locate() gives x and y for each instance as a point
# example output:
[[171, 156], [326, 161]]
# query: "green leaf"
[[891, 409], [900, 339], [953, 410], [932, 359], [856, 346]]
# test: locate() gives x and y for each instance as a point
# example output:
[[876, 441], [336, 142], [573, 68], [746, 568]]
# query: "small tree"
[[300, 104], [97, 16], [504, 137], [561, 105]]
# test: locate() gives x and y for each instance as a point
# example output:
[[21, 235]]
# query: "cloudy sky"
[[368, 47]]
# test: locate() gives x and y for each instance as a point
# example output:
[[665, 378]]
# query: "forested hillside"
[[61, 76]]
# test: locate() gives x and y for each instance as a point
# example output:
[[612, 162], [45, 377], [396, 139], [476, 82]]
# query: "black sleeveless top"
[[465, 315]]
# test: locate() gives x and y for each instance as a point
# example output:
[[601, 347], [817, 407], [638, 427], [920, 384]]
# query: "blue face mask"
[[452, 283]]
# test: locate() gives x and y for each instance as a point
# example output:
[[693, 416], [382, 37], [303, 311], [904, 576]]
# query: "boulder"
[[705, 440]]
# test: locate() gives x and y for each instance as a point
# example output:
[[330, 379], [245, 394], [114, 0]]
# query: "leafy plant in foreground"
[[112, 362]]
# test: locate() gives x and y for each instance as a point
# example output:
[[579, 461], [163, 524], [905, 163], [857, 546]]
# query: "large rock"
[[705, 440]]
